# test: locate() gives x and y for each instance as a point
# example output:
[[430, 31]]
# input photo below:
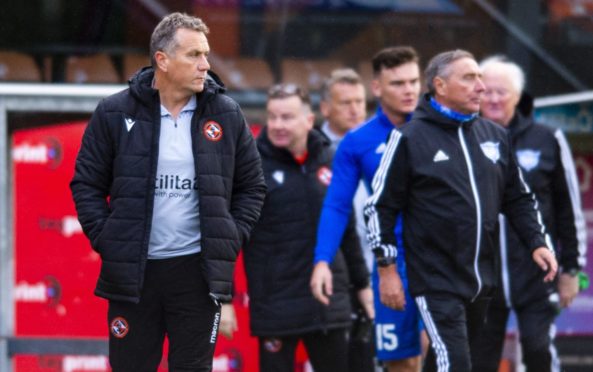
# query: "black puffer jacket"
[[546, 161], [114, 184], [279, 256]]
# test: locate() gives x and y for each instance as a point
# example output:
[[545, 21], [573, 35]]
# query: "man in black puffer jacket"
[[544, 156], [168, 185], [279, 257]]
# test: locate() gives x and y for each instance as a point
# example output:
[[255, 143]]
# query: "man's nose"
[[204, 64], [480, 87]]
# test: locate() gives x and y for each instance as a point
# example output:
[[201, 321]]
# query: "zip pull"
[[175, 123]]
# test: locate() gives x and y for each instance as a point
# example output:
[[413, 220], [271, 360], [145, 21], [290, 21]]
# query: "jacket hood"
[[525, 104], [523, 118], [141, 85], [425, 112]]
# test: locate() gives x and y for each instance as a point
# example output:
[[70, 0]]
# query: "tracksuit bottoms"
[[174, 303]]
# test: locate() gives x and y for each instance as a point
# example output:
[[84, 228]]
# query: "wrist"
[[385, 261], [572, 272]]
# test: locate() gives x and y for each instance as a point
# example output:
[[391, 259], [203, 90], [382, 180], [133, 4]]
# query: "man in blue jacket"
[[396, 85]]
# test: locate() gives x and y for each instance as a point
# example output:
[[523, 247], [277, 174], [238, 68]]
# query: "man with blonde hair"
[[545, 159]]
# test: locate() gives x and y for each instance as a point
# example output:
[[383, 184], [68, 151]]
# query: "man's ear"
[[376, 87], [440, 86], [162, 60], [310, 120], [324, 108]]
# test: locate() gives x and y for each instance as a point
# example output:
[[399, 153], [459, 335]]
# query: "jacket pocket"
[[96, 242]]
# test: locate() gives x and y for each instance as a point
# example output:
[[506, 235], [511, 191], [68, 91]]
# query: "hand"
[[228, 321], [391, 289], [321, 282], [365, 297], [568, 288], [545, 259]]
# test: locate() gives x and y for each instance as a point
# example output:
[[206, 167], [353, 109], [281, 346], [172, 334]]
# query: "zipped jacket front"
[[450, 180], [114, 184]]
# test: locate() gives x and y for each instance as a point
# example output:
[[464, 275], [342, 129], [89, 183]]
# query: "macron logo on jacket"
[[440, 156], [278, 176], [129, 123]]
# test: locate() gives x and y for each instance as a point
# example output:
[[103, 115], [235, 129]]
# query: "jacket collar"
[[427, 113], [316, 140], [141, 86]]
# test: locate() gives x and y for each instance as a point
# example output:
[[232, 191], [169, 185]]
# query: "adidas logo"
[[129, 123], [381, 148], [440, 156]]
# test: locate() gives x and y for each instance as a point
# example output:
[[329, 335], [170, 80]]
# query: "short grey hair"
[[439, 66], [510, 68], [339, 76], [163, 36]]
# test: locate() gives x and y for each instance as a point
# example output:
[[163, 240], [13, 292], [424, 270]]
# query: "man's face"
[[187, 64], [289, 121], [462, 89], [398, 89], [500, 97], [345, 107]]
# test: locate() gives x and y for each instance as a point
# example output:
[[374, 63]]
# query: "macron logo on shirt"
[[440, 156], [129, 123], [381, 148]]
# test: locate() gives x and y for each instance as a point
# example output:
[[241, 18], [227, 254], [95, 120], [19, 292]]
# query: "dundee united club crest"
[[212, 131], [324, 175], [119, 327]]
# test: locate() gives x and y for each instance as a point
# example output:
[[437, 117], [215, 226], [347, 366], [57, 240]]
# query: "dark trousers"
[[328, 351], [361, 345], [536, 330], [174, 302], [454, 326]]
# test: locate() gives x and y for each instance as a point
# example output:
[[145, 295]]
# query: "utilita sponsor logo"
[[48, 291], [47, 152], [67, 226]]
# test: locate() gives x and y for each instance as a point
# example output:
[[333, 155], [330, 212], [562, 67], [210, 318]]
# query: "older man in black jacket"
[[279, 257], [168, 184], [450, 173], [546, 161]]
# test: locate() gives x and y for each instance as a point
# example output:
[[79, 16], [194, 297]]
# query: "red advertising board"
[[56, 270]]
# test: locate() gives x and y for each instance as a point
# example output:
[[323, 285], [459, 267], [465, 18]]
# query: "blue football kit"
[[358, 156]]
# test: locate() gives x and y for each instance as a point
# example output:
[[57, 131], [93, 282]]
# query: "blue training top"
[[358, 156]]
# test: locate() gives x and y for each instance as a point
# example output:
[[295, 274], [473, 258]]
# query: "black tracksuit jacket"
[[114, 185], [279, 256], [545, 159], [450, 180]]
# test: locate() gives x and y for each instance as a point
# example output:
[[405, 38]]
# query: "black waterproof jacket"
[[279, 256], [546, 161], [450, 180], [114, 184]]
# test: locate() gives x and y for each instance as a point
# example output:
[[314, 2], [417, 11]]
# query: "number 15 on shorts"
[[386, 337]]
